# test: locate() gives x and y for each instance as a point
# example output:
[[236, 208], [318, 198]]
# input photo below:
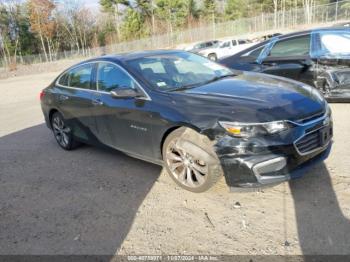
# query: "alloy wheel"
[[61, 131], [188, 170]]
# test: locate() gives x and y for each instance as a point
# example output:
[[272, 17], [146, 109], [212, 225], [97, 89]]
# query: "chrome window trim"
[[146, 96], [248, 53]]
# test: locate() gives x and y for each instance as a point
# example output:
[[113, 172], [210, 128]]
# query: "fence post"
[[336, 11]]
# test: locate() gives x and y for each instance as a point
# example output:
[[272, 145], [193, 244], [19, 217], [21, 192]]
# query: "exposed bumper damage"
[[332, 77], [262, 161]]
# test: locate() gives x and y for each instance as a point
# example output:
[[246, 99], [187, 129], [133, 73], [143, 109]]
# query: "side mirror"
[[124, 92]]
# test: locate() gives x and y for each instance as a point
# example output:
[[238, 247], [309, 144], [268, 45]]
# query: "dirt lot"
[[93, 201]]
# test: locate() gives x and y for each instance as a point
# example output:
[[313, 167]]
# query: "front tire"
[[193, 172], [62, 132]]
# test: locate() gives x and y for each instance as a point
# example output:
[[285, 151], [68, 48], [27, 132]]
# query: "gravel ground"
[[96, 201]]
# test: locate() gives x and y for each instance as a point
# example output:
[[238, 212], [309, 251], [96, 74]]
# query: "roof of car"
[[133, 55], [284, 36], [312, 30], [140, 54]]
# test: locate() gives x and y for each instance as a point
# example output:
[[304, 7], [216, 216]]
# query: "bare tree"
[[307, 5], [275, 12], [41, 21]]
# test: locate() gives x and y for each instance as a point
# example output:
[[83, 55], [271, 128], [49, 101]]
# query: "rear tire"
[[63, 132], [193, 172]]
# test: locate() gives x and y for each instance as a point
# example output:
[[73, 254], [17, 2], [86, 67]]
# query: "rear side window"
[[79, 77], [63, 80], [298, 46]]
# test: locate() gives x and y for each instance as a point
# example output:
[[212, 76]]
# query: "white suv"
[[225, 48]]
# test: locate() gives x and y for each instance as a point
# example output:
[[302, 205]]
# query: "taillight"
[[42, 94]]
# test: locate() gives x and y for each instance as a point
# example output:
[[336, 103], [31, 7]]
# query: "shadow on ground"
[[322, 227], [67, 202], [84, 201]]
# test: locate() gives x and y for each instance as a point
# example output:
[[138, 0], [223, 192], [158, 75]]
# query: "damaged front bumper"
[[273, 169], [268, 161]]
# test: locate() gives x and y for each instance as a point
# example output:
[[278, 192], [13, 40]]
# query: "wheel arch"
[[171, 129], [212, 54], [51, 112]]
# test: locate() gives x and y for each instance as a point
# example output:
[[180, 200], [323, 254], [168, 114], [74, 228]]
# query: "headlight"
[[254, 129]]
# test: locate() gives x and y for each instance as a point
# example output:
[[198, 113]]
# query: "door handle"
[[63, 97], [97, 102]]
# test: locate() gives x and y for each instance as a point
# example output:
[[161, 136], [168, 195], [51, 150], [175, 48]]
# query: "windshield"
[[177, 70]]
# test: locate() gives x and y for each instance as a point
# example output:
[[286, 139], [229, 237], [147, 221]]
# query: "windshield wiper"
[[216, 78], [185, 87]]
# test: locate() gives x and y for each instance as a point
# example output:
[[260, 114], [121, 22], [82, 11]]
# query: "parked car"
[[265, 37], [226, 47], [199, 46], [319, 57], [197, 118], [269, 36]]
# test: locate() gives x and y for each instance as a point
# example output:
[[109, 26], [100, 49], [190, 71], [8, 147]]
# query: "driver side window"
[[110, 76], [296, 46]]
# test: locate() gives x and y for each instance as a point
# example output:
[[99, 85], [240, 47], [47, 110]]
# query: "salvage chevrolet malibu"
[[197, 118]]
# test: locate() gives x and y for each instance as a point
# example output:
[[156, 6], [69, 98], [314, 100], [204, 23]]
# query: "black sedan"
[[319, 57], [197, 118]]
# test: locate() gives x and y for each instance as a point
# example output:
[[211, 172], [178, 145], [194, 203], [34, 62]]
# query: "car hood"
[[250, 97]]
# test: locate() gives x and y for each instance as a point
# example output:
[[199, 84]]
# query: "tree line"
[[51, 26]]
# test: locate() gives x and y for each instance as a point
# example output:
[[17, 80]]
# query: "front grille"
[[309, 142]]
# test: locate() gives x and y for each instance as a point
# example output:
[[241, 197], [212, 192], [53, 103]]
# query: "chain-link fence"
[[254, 26]]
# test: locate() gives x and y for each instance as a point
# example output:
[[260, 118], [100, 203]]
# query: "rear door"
[[122, 123], [73, 94], [290, 58], [332, 51]]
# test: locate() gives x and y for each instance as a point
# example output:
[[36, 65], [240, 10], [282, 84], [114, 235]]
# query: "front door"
[[290, 58], [122, 123]]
